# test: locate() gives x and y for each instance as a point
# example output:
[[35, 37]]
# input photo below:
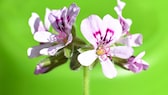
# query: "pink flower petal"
[[114, 25], [108, 68], [134, 40], [89, 26], [35, 23], [122, 51]]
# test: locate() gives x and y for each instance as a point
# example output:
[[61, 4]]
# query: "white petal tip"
[[44, 51], [29, 51], [87, 58]]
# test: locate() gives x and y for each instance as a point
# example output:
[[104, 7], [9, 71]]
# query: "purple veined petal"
[[138, 59], [90, 27], [126, 24], [145, 65], [73, 11], [54, 18], [123, 52], [87, 58], [35, 23], [57, 13], [35, 51], [51, 51], [43, 36], [139, 56], [134, 40], [64, 12], [108, 68], [46, 19], [136, 67], [112, 30]]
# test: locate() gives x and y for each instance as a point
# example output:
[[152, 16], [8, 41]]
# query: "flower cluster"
[[111, 42]]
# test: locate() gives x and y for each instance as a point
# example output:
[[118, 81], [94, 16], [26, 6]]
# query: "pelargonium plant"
[[111, 42]]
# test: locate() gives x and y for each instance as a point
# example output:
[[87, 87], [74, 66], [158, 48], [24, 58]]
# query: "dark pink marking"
[[96, 35], [124, 25], [108, 32], [68, 18], [58, 21]]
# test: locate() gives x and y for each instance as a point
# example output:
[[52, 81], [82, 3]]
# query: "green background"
[[16, 69]]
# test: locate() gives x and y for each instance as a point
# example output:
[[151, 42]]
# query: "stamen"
[[100, 51]]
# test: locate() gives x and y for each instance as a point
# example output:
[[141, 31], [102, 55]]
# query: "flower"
[[62, 21], [129, 40], [102, 34], [136, 64]]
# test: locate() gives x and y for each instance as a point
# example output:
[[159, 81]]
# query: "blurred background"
[[16, 69]]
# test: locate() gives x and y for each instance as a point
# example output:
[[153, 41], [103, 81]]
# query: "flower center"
[[100, 51]]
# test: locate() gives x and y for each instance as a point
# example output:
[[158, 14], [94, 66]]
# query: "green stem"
[[85, 80]]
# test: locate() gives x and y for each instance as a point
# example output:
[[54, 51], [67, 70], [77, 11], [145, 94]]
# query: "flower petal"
[[73, 11], [46, 19], [42, 36], [122, 51], [134, 40], [87, 58], [119, 7], [108, 68], [126, 24], [145, 65], [55, 14], [35, 51], [51, 50], [89, 26], [139, 56], [35, 23], [114, 25]]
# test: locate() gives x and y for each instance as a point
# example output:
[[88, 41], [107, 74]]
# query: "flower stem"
[[85, 80]]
